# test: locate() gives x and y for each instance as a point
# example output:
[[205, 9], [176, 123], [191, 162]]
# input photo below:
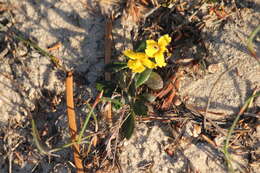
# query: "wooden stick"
[[107, 112], [108, 45], [72, 121]]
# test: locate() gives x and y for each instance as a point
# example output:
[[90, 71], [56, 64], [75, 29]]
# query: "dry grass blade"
[[145, 2], [207, 139], [242, 110], [194, 110], [88, 116], [72, 121], [35, 133], [212, 89], [55, 60], [250, 44], [115, 135], [161, 119]]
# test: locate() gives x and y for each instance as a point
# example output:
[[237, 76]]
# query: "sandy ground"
[[81, 35]]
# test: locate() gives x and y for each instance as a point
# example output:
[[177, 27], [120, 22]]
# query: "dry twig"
[[107, 113], [72, 121]]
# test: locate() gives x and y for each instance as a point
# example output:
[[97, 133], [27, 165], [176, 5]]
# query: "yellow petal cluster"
[[156, 49], [138, 61]]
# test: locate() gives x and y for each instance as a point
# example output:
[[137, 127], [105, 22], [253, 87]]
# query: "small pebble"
[[177, 102], [258, 131], [214, 68]]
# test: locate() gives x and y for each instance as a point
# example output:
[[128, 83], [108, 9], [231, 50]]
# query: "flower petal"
[[159, 59], [148, 42], [148, 63], [151, 48], [162, 50], [134, 55], [136, 66], [164, 40]]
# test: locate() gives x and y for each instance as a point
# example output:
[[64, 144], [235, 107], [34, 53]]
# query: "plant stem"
[[226, 146], [88, 117]]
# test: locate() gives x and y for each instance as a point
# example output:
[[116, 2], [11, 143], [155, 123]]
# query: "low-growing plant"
[[139, 70]]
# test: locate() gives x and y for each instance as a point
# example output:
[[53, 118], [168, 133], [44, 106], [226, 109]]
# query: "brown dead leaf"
[[171, 89], [177, 83], [165, 91], [207, 139], [167, 88], [134, 11], [220, 12], [184, 61], [54, 46], [5, 7], [107, 112], [169, 100]]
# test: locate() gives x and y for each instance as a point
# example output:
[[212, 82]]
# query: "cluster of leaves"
[[129, 89]]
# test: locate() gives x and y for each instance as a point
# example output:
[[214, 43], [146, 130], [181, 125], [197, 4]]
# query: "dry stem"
[[72, 121]]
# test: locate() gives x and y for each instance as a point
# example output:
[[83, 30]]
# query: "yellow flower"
[[138, 61], [156, 49]]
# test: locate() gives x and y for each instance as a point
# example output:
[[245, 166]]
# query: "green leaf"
[[116, 102], [250, 46], [100, 86], [115, 66], [117, 106], [128, 126], [140, 108], [141, 47], [142, 77], [155, 81], [107, 86]]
